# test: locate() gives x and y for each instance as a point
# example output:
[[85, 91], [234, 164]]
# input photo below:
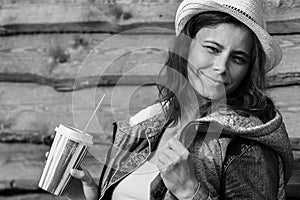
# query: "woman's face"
[[219, 59]]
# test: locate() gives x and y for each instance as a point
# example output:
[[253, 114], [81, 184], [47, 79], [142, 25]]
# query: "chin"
[[212, 97], [217, 97]]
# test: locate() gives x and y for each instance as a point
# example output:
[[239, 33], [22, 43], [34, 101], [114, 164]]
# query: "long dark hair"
[[248, 99]]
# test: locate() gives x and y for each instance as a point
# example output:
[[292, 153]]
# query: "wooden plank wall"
[[53, 52]]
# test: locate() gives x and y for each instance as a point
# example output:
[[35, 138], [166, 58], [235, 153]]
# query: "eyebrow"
[[222, 47]]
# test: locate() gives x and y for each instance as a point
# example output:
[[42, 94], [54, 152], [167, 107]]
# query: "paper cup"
[[68, 149]]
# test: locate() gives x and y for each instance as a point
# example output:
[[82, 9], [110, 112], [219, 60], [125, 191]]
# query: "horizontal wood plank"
[[118, 16], [46, 58], [295, 142], [80, 55], [68, 85], [30, 108], [287, 100], [26, 136], [21, 166], [36, 138], [34, 196]]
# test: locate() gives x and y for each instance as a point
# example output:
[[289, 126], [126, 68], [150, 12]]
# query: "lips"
[[214, 80]]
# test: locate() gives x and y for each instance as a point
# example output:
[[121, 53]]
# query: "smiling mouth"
[[219, 82]]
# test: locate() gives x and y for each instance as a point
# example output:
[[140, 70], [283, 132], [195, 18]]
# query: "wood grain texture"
[[287, 100], [283, 80], [80, 55], [117, 15], [66, 56], [34, 196], [25, 136], [29, 108], [30, 112], [295, 142], [22, 164], [21, 167], [69, 85]]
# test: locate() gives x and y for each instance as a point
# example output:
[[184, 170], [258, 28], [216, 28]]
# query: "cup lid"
[[75, 134]]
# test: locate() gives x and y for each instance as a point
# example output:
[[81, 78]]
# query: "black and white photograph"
[[149, 99]]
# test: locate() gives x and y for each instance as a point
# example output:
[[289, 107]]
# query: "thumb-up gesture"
[[176, 170]]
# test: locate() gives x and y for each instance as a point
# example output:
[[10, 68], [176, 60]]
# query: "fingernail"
[[74, 172]]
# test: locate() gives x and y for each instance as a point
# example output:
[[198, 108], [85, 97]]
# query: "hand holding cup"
[[67, 151], [82, 186]]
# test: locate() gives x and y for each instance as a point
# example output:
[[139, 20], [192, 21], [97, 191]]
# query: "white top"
[[136, 186]]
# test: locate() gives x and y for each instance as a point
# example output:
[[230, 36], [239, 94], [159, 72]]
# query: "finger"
[[83, 175], [177, 146], [79, 174], [170, 153], [166, 159], [162, 160], [47, 154], [88, 176]]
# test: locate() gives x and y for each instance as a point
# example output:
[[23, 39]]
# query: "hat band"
[[240, 11]]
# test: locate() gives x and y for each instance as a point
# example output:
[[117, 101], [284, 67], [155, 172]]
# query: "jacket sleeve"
[[253, 174], [201, 194]]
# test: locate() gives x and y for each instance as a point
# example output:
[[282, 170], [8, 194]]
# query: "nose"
[[220, 65]]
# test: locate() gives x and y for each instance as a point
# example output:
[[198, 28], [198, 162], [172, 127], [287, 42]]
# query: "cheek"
[[190, 75], [199, 59], [237, 77], [194, 81]]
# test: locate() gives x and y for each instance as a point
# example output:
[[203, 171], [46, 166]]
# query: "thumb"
[[83, 175], [79, 174]]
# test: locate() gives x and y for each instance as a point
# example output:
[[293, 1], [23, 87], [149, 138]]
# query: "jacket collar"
[[272, 133]]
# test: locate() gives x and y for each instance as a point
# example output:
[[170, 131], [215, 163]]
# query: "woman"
[[214, 134]]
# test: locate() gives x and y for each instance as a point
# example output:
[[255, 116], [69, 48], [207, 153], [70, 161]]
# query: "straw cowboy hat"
[[249, 12]]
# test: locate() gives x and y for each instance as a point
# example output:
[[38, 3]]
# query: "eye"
[[239, 60], [212, 49]]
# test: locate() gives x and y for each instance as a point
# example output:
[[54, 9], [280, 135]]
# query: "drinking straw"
[[93, 114]]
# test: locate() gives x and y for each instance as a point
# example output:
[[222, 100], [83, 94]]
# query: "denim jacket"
[[248, 160]]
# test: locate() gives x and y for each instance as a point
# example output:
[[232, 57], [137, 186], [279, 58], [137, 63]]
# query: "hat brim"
[[270, 46]]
